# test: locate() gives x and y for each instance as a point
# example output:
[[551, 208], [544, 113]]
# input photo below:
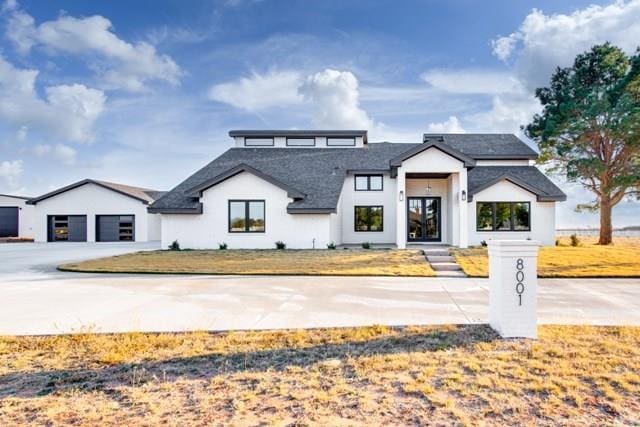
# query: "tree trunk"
[[606, 232]]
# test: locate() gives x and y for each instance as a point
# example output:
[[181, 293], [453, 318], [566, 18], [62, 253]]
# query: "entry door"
[[423, 217]]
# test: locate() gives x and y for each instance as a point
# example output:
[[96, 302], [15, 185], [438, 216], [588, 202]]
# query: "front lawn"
[[439, 375], [268, 262], [587, 260]]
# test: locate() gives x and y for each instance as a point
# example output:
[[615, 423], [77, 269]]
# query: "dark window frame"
[[368, 207], [294, 145], [341, 145], [368, 176], [512, 229], [258, 145], [247, 215]]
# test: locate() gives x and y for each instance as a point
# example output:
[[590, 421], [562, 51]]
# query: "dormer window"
[[368, 183], [258, 142], [341, 142], [301, 142]]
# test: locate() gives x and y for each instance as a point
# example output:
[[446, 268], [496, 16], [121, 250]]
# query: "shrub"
[[175, 246], [331, 245], [575, 241], [557, 242], [483, 243], [222, 246], [280, 245], [366, 245]]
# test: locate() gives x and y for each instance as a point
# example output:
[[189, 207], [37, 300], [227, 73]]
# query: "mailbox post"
[[513, 281]]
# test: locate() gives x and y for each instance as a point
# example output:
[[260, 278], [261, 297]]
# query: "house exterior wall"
[[385, 198], [281, 142], [92, 200], [25, 214], [207, 230], [542, 215]]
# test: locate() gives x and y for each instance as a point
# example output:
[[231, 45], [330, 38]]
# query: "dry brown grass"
[[587, 260], [294, 262], [374, 375]]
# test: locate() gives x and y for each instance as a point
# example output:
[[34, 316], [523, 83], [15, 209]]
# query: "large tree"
[[589, 128]]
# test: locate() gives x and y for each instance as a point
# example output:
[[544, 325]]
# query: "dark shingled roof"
[[319, 173], [528, 177]]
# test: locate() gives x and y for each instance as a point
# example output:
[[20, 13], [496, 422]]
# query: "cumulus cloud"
[[507, 114], [68, 111], [10, 171], [451, 125], [543, 42], [65, 154], [260, 91], [119, 63], [472, 81], [334, 98]]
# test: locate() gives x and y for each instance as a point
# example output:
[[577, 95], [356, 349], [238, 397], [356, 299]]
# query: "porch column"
[[464, 207], [401, 210]]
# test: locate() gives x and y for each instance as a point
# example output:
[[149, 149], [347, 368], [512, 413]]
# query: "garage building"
[[96, 211], [16, 216]]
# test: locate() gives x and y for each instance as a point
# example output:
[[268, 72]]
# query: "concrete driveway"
[[36, 299]]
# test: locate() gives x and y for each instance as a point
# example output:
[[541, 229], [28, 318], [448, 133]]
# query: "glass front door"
[[423, 217]]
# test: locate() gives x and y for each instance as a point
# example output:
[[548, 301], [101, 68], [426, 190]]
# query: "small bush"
[[280, 245], [483, 243], [222, 246], [557, 242], [575, 241], [331, 245], [175, 246], [366, 245]]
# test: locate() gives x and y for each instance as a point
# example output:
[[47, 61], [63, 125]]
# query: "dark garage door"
[[8, 222], [67, 228], [115, 228]]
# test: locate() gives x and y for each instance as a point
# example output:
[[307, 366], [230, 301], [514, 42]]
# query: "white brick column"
[[513, 281]]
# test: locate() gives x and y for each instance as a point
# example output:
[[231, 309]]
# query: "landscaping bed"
[[438, 375], [585, 260], [352, 262]]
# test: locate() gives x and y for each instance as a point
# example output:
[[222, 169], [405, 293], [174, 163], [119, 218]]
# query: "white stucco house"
[[312, 188], [16, 217], [95, 211]]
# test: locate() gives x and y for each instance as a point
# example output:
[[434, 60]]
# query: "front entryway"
[[423, 217]]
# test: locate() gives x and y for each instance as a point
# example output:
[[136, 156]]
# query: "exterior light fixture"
[[401, 195], [463, 195], [428, 187]]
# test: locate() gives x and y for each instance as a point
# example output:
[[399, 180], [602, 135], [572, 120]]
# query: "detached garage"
[[16, 217], [96, 211]]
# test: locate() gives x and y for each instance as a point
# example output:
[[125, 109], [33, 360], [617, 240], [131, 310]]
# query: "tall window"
[[368, 218], [503, 216], [368, 182], [246, 216]]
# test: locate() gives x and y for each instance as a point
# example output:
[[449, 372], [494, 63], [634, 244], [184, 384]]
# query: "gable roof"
[[485, 146], [314, 176], [13, 196], [143, 195], [529, 178]]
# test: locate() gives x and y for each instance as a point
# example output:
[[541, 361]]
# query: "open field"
[[374, 375], [290, 262], [587, 260]]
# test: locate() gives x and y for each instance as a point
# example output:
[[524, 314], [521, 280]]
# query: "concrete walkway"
[[48, 302]]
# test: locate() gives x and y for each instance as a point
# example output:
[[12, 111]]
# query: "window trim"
[[368, 207], [294, 145], [512, 216], [247, 138], [353, 138], [246, 215], [368, 176]]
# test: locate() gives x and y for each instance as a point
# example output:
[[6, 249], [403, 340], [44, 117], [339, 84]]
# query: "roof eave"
[[75, 185], [311, 210], [196, 210]]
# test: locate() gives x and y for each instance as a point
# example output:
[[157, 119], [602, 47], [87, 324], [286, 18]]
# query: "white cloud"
[[472, 81], [334, 98], [119, 63], [10, 170], [451, 125], [21, 134], [69, 111], [507, 114], [543, 42], [41, 150], [260, 91], [65, 154]]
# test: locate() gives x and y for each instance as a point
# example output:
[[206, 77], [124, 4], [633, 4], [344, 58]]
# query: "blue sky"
[[145, 92]]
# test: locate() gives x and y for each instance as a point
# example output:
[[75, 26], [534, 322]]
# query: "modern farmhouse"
[[312, 188]]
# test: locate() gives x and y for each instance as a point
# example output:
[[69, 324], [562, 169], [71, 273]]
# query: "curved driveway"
[[37, 299]]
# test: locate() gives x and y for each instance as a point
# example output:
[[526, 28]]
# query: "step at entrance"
[[442, 262]]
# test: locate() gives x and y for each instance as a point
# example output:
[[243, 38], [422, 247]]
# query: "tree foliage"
[[589, 128]]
